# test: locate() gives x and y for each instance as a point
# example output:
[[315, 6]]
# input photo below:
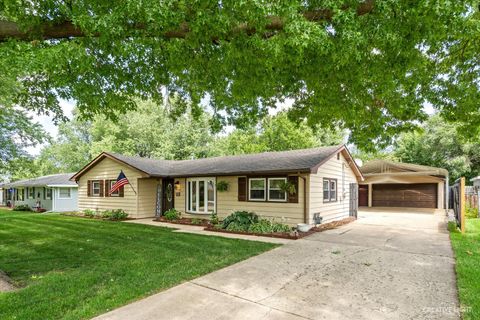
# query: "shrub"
[[171, 214], [214, 218], [242, 219], [265, 226], [106, 214], [196, 221], [89, 213], [236, 226], [471, 212], [22, 207], [118, 214]]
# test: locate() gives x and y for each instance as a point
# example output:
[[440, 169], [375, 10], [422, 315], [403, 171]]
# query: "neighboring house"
[[395, 184], [323, 178], [54, 192]]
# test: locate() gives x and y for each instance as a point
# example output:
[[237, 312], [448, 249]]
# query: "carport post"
[[462, 204]]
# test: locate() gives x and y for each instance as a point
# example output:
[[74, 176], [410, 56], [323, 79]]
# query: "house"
[[395, 184], [54, 192], [323, 180]]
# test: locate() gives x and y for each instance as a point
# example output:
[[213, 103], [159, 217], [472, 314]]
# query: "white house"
[[53, 193]]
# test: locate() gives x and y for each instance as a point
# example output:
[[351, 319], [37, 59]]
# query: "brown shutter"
[[44, 193], [242, 189], [101, 187], [107, 188], [120, 191], [293, 197], [89, 188]]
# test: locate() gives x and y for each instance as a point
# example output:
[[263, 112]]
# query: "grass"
[[74, 268], [467, 254]]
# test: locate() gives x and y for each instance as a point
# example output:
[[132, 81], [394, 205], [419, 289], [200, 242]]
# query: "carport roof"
[[386, 167]]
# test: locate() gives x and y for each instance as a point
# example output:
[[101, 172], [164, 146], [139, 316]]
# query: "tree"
[[440, 144], [363, 66], [276, 133]]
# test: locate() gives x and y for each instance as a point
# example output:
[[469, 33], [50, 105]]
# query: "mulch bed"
[[95, 217], [185, 221], [292, 236]]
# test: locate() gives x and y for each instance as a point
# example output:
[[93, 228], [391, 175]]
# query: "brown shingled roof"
[[304, 160]]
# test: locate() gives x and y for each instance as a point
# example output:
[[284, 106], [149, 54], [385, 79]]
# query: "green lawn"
[[467, 254], [74, 268]]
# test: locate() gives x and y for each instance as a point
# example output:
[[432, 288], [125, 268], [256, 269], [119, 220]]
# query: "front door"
[[167, 195]]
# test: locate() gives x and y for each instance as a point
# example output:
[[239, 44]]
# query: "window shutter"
[[34, 195], [242, 189], [101, 187], [120, 191], [107, 188], [293, 197], [44, 193], [89, 188]]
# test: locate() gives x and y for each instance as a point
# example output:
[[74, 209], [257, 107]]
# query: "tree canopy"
[[365, 66]]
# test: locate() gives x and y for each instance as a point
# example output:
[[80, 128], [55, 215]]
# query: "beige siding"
[[147, 197], [179, 201], [290, 213], [109, 169], [336, 169]]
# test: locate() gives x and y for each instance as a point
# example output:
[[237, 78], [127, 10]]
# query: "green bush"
[[471, 212], [118, 214], [89, 213], [22, 207], [196, 221], [214, 218], [242, 220], [265, 226], [236, 226], [171, 214]]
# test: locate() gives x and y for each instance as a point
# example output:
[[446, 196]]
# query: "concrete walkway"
[[200, 230], [383, 266]]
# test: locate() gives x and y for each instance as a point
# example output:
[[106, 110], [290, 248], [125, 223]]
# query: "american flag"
[[121, 181]]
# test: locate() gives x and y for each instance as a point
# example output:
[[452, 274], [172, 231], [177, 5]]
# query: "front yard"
[[467, 254], [74, 268]]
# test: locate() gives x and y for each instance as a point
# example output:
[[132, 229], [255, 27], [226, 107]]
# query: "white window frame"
[[284, 193], [330, 189], [69, 193], [93, 188], [117, 192], [206, 202], [31, 193], [264, 189]]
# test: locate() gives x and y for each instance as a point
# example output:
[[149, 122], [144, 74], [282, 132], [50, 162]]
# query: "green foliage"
[[222, 186], [288, 187], [471, 212], [196, 221], [266, 226], [440, 144], [240, 220], [22, 207], [214, 219], [172, 214], [89, 213], [114, 214]]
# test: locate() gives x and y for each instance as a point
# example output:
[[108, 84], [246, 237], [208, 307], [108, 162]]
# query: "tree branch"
[[66, 29]]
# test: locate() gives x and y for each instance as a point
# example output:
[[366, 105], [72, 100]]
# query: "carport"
[[403, 185]]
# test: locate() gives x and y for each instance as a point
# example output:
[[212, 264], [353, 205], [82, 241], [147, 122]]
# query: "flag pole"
[[132, 188]]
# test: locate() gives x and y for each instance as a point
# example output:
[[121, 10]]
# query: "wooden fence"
[[457, 202]]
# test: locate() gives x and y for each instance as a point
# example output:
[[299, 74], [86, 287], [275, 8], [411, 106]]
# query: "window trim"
[[285, 179], [330, 180], [69, 193], [188, 190], [46, 193], [113, 194], [93, 188], [264, 189], [30, 193]]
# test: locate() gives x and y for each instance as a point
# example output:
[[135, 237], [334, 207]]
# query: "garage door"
[[421, 195]]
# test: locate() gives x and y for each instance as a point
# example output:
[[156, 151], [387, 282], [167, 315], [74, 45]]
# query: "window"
[[64, 193], [256, 188], [275, 192], [116, 193], [48, 193], [201, 195], [20, 194], [31, 193], [96, 188], [329, 190]]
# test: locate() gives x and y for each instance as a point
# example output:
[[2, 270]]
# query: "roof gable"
[[380, 167]]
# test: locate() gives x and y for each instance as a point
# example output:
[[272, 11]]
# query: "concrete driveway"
[[385, 265]]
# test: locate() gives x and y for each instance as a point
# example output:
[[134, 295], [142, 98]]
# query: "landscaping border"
[[184, 221]]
